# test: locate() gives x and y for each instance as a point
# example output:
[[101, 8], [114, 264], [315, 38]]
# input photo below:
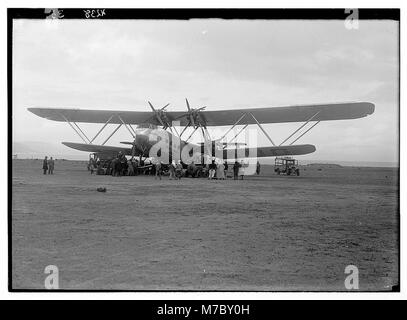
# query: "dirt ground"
[[267, 232]]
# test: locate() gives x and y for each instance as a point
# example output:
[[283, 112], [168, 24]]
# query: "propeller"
[[160, 115], [193, 116]]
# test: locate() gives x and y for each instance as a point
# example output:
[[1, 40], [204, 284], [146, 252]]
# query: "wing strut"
[[125, 125], [77, 132], [305, 132], [79, 128], [114, 131], [191, 134], [241, 130], [85, 138], [132, 129], [205, 132], [235, 124], [104, 126], [302, 126], [261, 127]]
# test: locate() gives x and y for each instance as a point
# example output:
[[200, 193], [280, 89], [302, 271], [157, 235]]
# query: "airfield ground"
[[264, 233]]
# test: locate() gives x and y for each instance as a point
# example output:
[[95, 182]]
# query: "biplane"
[[143, 125]]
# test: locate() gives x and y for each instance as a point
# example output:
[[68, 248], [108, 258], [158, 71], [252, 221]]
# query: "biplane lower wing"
[[274, 151], [259, 152], [292, 150], [97, 148], [317, 112]]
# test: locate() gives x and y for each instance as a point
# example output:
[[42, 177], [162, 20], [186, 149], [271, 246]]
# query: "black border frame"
[[184, 14]]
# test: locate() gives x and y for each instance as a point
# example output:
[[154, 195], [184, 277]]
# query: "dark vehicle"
[[287, 166]]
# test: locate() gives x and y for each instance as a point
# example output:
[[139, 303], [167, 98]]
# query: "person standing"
[[241, 169], [236, 170], [114, 166], [191, 170], [45, 165], [220, 171], [178, 170], [158, 170], [226, 169], [91, 165], [130, 168], [171, 169], [51, 164], [108, 167], [136, 165], [125, 166], [258, 167], [212, 170], [122, 164]]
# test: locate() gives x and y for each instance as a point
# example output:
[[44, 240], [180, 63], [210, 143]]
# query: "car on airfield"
[[287, 166]]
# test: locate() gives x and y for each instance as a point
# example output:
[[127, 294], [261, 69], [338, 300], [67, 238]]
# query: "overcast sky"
[[217, 63]]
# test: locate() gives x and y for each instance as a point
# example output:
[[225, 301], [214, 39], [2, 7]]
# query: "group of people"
[[175, 170], [218, 170], [48, 165], [212, 171], [121, 166], [118, 166]]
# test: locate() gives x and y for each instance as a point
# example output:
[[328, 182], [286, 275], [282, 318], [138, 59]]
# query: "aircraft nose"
[[141, 138]]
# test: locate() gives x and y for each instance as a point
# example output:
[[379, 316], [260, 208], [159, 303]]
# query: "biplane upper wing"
[[320, 112], [323, 112]]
